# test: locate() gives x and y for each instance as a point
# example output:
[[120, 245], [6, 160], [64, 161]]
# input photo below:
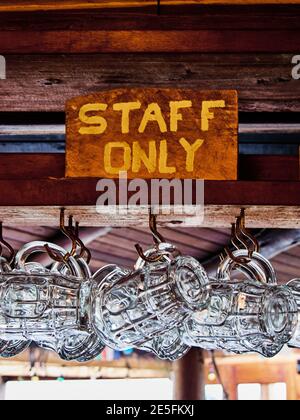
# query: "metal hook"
[[157, 237], [234, 241], [238, 231], [247, 234], [149, 260], [234, 238], [69, 234], [7, 245], [83, 249]]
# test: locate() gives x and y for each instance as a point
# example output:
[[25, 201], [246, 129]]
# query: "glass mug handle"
[[4, 265], [85, 271], [167, 250], [259, 268], [39, 247]]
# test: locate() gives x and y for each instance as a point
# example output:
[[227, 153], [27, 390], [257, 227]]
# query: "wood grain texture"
[[52, 166], [201, 41], [220, 216], [26, 5], [23, 132], [189, 377], [46, 82], [179, 28], [46, 5], [154, 149], [176, 18], [36, 189]]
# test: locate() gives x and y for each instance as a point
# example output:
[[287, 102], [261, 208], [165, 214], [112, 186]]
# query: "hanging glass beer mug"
[[10, 346], [144, 308], [249, 315], [294, 287], [49, 307]]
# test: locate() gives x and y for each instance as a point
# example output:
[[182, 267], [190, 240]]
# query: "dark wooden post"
[[190, 377]]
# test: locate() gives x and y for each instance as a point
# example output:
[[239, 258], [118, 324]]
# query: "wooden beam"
[[218, 216], [46, 5], [179, 18], [182, 27], [37, 166], [269, 168], [190, 41], [45, 82], [33, 192], [189, 380], [38, 132], [283, 129]]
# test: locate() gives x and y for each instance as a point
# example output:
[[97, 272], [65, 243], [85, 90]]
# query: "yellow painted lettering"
[[176, 116], [98, 124], [206, 115], [108, 159], [153, 113], [191, 150], [126, 108], [139, 156], [163, 159]]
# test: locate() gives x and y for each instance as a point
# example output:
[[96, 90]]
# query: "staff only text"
[[153, 134]]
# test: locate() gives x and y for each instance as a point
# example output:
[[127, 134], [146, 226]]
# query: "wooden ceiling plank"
[[292, 272], [40, 231], [273, 245], [216, 216], [17, 234], [190, 41], [114, 251], [263, 81], [143, 237], [209, 235], [41, 166], [110, 258], [82, 192], [283, 277], [294, 252], [190, 243], [120, 245], [258, 17], [37, 132], [288, 260], [46, 5]]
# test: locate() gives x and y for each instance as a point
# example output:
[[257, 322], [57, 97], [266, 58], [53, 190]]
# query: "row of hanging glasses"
[[165, 305]]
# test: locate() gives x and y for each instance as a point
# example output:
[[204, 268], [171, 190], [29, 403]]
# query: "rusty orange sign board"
[[153, 133]]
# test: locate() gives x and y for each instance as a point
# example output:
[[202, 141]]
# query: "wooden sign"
[[153, 133]]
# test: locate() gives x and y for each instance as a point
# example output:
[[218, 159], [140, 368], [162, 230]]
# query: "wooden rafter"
[[51, 167], [185, 28], [126, 41], [43, 82], [26, 5], [36, 189]]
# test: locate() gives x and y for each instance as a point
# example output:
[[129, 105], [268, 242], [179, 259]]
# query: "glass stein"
[[9, 347], [48, 307], [244, 316], [294, 287], [143, 309]]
